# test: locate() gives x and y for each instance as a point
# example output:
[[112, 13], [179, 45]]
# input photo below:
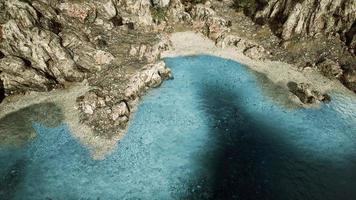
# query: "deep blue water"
[[211, 133]]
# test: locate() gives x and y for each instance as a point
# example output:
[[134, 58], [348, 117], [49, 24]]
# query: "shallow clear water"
[[210, 133]]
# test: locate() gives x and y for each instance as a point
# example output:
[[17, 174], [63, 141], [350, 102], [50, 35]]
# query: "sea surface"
[[214, 132]]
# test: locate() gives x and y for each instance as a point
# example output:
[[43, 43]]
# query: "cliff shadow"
[[250, 159], [12, 178], [17, 127]]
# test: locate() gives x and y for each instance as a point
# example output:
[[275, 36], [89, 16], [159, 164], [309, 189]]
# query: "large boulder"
[[306, 93]]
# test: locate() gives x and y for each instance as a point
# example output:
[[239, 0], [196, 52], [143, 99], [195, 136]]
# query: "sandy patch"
[[191, 43], [66, 101]]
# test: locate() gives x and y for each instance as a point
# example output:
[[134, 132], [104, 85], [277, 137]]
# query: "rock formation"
[[307, 17], [306, 94]]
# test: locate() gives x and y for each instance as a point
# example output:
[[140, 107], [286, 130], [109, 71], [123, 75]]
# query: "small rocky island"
[[88, 62]]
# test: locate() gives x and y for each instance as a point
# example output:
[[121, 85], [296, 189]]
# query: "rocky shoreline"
[[113, 48]]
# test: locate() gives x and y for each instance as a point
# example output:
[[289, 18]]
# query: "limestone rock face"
[[137, 11], [17, 76], [206, 20], [308, 17], [57, 40], [177, 11]]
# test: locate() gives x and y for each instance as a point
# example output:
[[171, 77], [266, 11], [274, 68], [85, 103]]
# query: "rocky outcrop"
[[291, 18], [306, 94], [206, 20], [18, 76], [148, 53], [56, 40], [39, 48], [113, 46], [109, 114]]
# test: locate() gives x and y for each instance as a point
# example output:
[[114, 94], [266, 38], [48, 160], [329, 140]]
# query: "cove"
[[211, 133]]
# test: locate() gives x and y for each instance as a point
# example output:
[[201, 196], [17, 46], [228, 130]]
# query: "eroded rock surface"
[[111, 45], [308, 17]]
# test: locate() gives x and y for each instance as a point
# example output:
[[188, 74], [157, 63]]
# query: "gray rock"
[[306, 94], [18, 77], [308, 17]]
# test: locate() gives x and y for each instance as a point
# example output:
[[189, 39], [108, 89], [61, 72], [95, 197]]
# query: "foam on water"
[[208, 134]]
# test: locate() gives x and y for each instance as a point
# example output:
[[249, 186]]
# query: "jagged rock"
[[18, 77], [83, 11], [151, 75], [307, 17], [306, 94], [108, 113], [177, 12], [137, 11], [21, 12], [105, 9], [206, 20], [84, 52], [150, 53], [329, 68], [42, 48]]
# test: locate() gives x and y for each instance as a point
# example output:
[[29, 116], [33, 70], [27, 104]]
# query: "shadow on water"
[[11, 179], [251, 160], [17, 127]]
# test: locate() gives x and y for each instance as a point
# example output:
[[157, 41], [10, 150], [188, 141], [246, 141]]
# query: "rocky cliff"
[[291, 18]]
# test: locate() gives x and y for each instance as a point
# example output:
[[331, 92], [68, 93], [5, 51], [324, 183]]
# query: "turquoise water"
[[211, 133]]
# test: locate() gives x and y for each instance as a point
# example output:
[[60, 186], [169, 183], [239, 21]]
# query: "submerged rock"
[[306, 94]]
